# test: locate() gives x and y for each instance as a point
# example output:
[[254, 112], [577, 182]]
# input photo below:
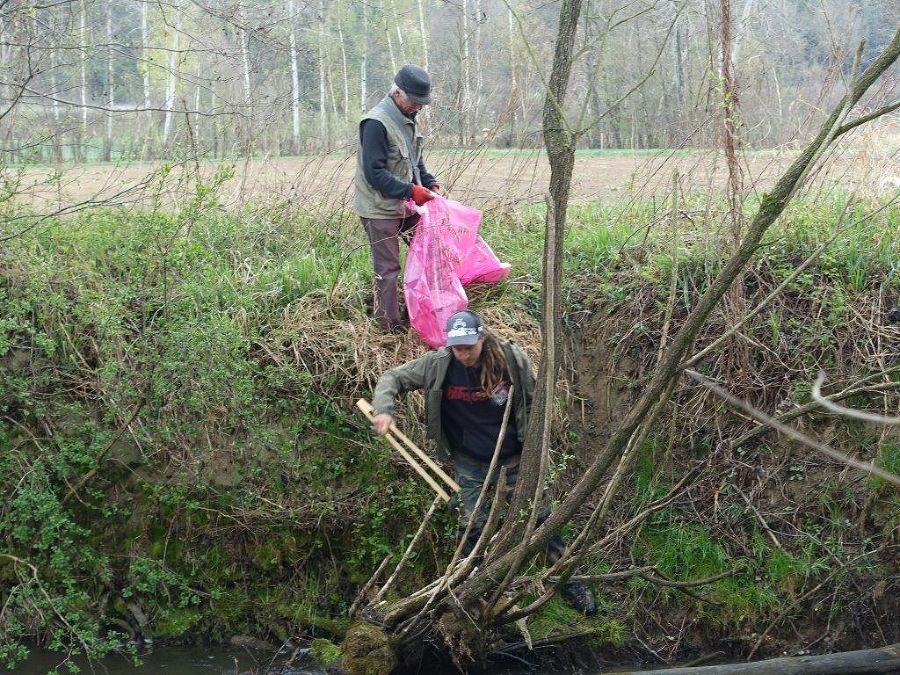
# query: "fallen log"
[[860, 662]]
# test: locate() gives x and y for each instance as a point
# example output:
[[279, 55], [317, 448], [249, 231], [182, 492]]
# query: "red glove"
[[420, 195]]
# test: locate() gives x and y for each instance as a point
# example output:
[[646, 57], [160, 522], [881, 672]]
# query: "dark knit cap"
[[415, 83]]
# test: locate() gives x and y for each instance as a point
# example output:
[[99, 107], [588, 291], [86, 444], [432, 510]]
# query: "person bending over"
[[466, 387]]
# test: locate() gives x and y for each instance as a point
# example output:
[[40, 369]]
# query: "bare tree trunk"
[[295, 82], [729, 125], [245, 62], [198, 129], [423, 32], [7, 90], [323, 111], [513, 86], [218, 148], [334, 106], [735, 304], [172, 78], [559, 140], [479, 75], [82, 39], [249, 120], [400, 43], [110, 89], [739, 33], [387, 32], [678, 47], [53, 38], [145, 53], [363, 64], [466, 103], [593, 49], [145, 72], [344, 72]]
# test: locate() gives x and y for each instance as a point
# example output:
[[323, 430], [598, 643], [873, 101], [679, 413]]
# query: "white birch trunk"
[[334, 106], [172, 76], [479, 77], [513, 88], [329, 80], [54, 64], [363, 65], [145, 53], [424, 34], [82, 32], [466, 83], [387, 30], [245, 64], [110, 90], [400, 44], [245, 71], [323, 114], [740, 31], [145, 72], [214, 124], [295, 82], [54, 91], [197, 134], [344, 71]]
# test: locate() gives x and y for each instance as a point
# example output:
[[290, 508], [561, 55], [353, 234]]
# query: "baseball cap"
[[463, 328]]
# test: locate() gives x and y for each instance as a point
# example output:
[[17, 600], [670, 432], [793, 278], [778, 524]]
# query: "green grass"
[[183, 316], [888, 459]]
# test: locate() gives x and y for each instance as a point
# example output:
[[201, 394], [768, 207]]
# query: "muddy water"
[[170, 661], [217, 661]]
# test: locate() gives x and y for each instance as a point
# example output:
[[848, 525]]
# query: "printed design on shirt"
[[478, 394], [500, 394]]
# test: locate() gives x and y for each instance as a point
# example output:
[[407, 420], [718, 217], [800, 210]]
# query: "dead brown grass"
[[482, 180]]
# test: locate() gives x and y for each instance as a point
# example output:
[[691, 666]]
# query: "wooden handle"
[[368, 411]]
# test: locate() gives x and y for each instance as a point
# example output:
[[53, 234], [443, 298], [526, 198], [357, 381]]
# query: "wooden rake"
[[397, 439]]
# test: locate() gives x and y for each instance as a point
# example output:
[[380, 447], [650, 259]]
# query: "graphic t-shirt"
[[471, 417]]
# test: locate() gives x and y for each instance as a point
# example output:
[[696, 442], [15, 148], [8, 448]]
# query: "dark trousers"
[[384, 235], [471, 474]]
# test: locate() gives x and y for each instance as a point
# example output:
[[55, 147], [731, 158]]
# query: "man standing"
[[466, 387], [390, 170]]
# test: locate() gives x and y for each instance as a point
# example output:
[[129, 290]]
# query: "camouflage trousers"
[[471, 475]]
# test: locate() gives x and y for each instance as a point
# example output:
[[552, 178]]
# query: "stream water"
[[169, 661]]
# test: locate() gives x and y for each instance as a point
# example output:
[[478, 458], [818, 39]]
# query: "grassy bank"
[[181, 458]]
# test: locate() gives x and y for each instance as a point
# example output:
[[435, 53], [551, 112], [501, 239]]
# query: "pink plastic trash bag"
[[481, 265], [445, 253]]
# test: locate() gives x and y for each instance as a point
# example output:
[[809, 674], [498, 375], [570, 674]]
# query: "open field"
[[483, 179]]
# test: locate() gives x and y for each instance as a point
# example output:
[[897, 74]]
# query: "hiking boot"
[[580, 597]]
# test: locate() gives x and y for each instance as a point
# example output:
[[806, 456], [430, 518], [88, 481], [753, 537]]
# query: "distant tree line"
[[141, 79]]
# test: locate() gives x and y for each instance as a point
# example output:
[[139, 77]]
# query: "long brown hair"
[[493, 362]]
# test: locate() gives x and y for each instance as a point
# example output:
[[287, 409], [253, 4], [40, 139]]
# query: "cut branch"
[[847, 412], [790, 432]]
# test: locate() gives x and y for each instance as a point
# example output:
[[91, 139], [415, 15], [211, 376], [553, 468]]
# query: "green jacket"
[[428, 372]]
